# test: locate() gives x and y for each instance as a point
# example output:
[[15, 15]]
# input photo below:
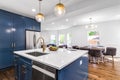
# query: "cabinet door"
[[5, 18], [25, 70], [19, 32], [16, 64], [6, 54], [32, 24], [37, 26]]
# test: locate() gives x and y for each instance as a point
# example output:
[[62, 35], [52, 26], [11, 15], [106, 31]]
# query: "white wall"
[[46, 35], [109, 34]]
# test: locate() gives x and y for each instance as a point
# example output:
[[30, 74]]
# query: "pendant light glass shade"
[[59, 9], [39, 17], [91, 25]]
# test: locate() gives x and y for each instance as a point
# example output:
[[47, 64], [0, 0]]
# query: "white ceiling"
[[78, 12]]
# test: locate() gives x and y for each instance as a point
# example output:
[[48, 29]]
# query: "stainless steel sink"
[[36, 54]]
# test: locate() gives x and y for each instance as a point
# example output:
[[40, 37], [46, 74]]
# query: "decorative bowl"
[[53, 48]]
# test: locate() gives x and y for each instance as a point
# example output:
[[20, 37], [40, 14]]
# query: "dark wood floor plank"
[[7, 74], [105, 71]]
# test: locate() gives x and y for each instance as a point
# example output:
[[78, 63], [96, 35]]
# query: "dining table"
[[101, 48]]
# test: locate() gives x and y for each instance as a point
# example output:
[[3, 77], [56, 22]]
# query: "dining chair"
[[96, 56], [110, 51], [75, 47], [62, 46], [48, 45]]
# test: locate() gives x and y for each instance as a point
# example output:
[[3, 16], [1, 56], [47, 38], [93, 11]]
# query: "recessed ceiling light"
[[67, 20], [118, 16], [74, 24], [53, 23], [33, 10]]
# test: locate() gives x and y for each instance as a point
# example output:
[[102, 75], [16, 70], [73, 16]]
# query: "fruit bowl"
[[53, 48]]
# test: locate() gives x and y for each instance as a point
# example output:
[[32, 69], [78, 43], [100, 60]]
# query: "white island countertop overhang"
[[56, 59]]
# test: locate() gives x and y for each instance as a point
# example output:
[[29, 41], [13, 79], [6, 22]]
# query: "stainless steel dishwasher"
[[42, 72]]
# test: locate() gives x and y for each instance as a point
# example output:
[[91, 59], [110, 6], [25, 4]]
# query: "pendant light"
[[91, 25], [39, 17], [59, 9]]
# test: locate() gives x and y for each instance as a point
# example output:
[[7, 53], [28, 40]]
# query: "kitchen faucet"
[[42, 43]]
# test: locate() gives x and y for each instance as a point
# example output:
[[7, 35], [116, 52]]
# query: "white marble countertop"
[[56, 59]]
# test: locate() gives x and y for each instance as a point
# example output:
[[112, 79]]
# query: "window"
[[53, 39], [69, 39], [61, 39], [93, 38]]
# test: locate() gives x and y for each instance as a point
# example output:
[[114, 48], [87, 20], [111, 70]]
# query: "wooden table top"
[[92, 48]]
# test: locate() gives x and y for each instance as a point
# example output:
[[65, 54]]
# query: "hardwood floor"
[[102, 71], [105, 71], [7, 74]]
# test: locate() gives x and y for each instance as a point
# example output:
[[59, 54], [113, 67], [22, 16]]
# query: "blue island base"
[[78, 70]]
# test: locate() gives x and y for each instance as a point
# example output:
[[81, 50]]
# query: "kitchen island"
[[54, 65]]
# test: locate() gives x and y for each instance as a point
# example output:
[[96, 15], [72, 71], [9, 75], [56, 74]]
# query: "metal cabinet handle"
[[23, 66], [12, 45], [24, 72]]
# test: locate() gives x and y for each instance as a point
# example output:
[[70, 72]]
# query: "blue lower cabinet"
[[16, 64], [6, 61], [78, 70], [23, 68]]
